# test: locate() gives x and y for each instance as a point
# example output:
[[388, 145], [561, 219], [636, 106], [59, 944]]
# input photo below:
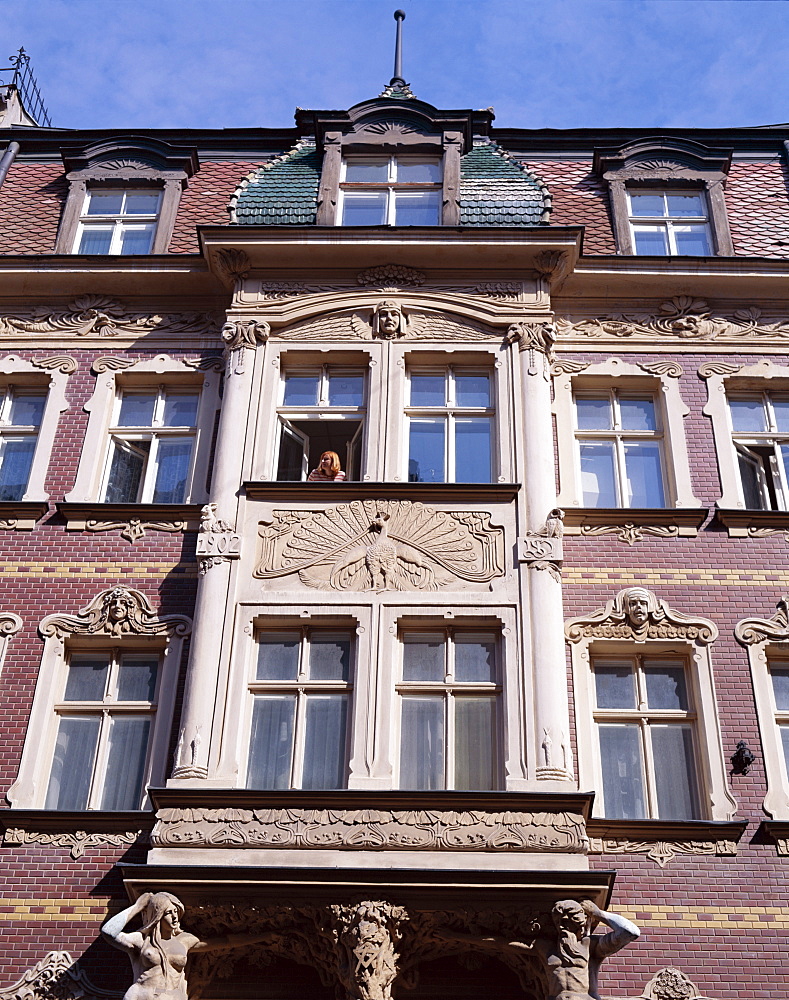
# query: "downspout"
[[8, 158]]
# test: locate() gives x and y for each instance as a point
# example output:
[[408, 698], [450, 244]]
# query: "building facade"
[[532, 647]]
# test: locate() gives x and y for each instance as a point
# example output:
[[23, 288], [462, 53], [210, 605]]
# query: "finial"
[[397, 79]]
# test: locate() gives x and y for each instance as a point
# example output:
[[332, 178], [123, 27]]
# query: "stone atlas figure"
[[159, 949]]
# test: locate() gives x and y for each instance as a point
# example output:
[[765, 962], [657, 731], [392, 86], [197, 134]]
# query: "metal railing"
[[26, 84]]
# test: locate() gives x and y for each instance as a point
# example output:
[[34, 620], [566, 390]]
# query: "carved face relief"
[[388, 319], [118, 606], [637, 606]]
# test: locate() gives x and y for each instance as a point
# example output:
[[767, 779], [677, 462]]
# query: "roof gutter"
[[8, 158]]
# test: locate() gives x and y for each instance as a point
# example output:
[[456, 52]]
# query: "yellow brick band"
[[94, 569], [657, 577], [55, 910]]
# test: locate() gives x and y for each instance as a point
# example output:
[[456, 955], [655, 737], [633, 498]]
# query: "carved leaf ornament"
[[56, 977], [751, 631], [381, 545]]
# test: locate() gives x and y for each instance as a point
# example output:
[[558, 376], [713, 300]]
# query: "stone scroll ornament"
[[637, 613], [118, 612], [56, 977], [751, 631], [381, 545]]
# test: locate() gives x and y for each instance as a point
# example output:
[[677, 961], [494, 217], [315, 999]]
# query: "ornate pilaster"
[[217, 545], [541, 551]]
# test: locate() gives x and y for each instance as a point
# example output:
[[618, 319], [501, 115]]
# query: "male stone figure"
[[388, 320]]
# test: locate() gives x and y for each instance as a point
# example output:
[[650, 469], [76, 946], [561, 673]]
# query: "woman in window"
[[328, 470]]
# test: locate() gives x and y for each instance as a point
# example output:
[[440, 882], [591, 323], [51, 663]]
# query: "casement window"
[[152, 444], [779, 675], [21, 414], [620, 449], [106, 709], [449, 415], [118, 221], [390, 191], [449, 692], [760, 424], [321, 409], [645, 723], [300, 690], [669, 223]]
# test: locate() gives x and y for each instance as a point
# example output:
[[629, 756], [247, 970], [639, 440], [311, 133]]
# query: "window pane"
[[594, 414], [105, 203], [780, 409], [643, 474], [428, 390], [781, 689], [126, 469], [346, 390], [472, 450], [637, 414], [271, 742], [424, 657], [137, 410], [651, 241], [472, 390], [16, 457], [417, 208], [137, 678], [665, 685], [474, 743], [330, 656], [72, 765], [675, 777], [367, 171], [418, 171], [647, 204], [426, 449], [422, 744], [137, 240], [475, 658], [126, 762], [95, 240], [686, 204], [692, 241], [754, 487], [784, 731], [301, 390], [748, 415], [597, 475], [278, 656], [180, 410], [615, 684], [290, 465], [623, 772], [324, 742], [368, 209], [26, 411], [173, 461], [87, 678], [141, 204]]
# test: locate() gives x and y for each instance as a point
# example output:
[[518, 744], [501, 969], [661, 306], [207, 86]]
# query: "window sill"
[[662, 840], [753, 523], [133, 520], [76, 831], [346, 491], [778, 831], [632, 524], [21, 515]]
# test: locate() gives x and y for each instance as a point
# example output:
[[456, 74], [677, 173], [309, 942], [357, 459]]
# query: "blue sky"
[[539, 63]]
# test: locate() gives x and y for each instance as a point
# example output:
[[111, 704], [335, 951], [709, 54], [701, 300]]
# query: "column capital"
[[245, 333]]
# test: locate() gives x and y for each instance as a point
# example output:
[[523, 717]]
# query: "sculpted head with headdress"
[[389, 320]]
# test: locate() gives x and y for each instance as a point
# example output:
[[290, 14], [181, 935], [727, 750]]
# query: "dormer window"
[[391, 191], [118, 221], [669, 223]]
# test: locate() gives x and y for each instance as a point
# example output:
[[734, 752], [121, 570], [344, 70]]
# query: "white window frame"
[[669, 223], [645, 717], [145, 375], [118, 222], [715, 799], [391, 186], [449, 690], [303, 687], [50, 381], [628, 379]]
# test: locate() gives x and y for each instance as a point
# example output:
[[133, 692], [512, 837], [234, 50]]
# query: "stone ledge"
[[754, 523], [633, 524], [663, 840], [21, 515], [76, 831], [417, 492], [132, 520]]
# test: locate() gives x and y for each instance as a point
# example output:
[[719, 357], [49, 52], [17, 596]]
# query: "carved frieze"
[[391, 274], [629, 532], [77, 841], [670, 984], [682, 317], [117, 612], [662, 851], [381, 545], [135, 528], [638, 614], [372, 829], [410, 325], [101, 316], [56, 977], [750, 631]]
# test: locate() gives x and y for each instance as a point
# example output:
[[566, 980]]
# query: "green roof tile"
[[280, 193], [496, 191]]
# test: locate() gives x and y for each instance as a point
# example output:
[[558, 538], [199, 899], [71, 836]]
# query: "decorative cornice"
[[21, 515], [617, 621], [631, 524], [101, 316], [751, 631], [132, 519], [117, 612], [297, 493], [135, 528], [662, 840], [57, 975], [77, 841]]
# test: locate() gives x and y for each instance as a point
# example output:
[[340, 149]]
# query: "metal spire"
[[397, 87]]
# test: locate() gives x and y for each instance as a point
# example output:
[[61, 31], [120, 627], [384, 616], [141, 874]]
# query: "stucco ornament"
[[367, 938], [538, 340], [245, 333], [381, 545], [637, 613], [117, 612], [56, 977], [389, 320], [750, 631], [364, 324], [670, 984], [217, 542]]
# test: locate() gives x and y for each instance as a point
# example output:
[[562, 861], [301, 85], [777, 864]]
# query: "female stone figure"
[[159, 949]]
